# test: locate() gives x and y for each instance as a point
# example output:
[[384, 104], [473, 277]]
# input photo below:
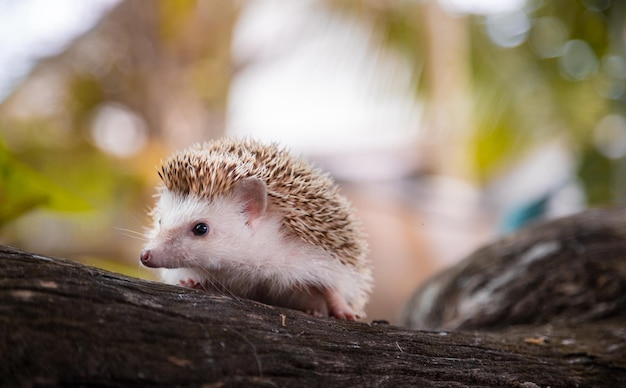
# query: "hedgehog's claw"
[[316, 313], [338, 307]]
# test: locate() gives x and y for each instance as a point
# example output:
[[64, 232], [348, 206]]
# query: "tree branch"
[[66, 323]]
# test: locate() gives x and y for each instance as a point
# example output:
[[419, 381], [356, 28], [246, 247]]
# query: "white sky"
[[32, 29]]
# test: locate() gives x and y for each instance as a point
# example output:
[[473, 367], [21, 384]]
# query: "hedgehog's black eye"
[[200, 229]]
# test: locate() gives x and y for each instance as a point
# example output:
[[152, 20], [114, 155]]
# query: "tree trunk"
[[64, 323]]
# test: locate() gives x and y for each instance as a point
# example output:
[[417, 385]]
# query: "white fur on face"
[[173, 243], [241, 256]]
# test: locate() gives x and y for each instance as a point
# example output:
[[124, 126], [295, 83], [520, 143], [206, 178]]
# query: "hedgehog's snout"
[[146, 258], [155, 257]]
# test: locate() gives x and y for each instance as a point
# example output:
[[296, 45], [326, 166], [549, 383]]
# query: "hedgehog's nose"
[[145, 256]]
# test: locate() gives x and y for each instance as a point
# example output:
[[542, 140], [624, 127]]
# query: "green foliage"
[[522, 100], [596, 170], [400, 32], [495, 141], [86, 94], [23, 189]]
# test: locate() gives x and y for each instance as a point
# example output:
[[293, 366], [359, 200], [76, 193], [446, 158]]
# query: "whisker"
[[132, 234]]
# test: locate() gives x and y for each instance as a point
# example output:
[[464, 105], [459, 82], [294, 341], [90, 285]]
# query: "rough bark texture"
[[64, 323], [566, 272]]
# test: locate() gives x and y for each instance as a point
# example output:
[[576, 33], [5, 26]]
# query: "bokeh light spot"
[[578, 62], [548, 36], [118, 131], [508, 29], [610, 136]]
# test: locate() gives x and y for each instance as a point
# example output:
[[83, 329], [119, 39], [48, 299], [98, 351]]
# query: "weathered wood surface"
[[63, 323]]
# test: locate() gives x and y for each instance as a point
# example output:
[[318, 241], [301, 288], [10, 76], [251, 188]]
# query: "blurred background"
[[447, 123]]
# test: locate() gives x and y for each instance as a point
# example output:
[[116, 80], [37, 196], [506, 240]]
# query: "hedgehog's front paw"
[[317, 313], [344, 313], [338, 307], [191, 283]]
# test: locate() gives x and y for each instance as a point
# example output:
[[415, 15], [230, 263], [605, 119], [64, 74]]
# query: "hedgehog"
[[251, 220]]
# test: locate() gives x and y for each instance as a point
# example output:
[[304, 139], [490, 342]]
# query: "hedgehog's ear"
[[252, 192]]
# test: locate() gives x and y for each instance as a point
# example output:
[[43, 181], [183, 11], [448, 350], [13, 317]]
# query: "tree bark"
[[564, 272], [64, 323]]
